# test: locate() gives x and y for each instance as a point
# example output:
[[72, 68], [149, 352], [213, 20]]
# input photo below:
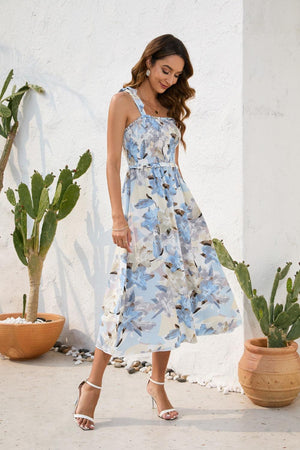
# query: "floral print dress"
[[172, 287]]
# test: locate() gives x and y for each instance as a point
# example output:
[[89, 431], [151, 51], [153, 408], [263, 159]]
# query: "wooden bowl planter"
[[29, 340], [270, 376]]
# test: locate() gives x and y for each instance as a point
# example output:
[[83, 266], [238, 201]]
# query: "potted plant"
[[9, 107], [31, 339], [269, 370]]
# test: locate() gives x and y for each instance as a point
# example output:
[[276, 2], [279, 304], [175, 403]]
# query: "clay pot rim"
[[259, 345], [53, 316]]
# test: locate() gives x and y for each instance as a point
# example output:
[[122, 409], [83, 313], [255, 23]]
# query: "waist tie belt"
[[161, 164]]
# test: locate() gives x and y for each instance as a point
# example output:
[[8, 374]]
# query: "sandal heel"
[[165, 411]]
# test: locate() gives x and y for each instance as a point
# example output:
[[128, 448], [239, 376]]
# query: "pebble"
[[65, 350], [118, 364], [117, 360], [84, 355], [136, 364], [19, 320], [180, 379]]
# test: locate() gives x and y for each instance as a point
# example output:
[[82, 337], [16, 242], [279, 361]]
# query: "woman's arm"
[[117, 116]]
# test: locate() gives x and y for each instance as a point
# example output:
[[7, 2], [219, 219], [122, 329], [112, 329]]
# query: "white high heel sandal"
[[83, 416], [165, 410]]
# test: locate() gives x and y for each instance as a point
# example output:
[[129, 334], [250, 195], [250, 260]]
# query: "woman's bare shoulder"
[[120, 98]]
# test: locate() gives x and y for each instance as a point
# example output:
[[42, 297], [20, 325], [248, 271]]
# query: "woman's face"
[[165, 72]]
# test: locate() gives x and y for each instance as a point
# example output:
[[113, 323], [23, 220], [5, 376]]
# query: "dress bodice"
[[148, 139]]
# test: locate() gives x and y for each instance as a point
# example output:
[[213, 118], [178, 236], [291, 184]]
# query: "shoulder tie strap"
[[135, 97]]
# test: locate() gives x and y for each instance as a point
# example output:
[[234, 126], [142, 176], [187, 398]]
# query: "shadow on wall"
[[70, 300], [21, 143]]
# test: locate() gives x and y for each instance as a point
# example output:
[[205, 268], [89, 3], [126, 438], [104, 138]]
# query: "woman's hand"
[[122, 238]]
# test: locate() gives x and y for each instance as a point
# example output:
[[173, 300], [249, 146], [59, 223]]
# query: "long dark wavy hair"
[[174, 98]]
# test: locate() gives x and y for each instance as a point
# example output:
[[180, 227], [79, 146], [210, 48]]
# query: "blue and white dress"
[[172, 287]]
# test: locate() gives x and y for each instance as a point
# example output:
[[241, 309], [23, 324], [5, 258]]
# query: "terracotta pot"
[[29, 340], [270, 376]]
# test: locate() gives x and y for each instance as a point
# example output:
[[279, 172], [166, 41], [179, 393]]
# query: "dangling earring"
[[147, 72]]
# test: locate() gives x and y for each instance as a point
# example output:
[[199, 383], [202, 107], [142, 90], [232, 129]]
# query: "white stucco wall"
[[271, 136], [82, 53]]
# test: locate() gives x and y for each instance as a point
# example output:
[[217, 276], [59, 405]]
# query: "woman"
[[166, 285]]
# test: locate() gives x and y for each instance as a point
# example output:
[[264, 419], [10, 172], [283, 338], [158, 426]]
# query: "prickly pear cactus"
[[280, 323], [46, 214], [9, 107]]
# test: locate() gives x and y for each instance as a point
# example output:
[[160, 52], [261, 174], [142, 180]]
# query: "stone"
[[180, 379], [131, 370], [117, 364], [57, 344], [144, 363], [136, 364], [148, 364], [65, 349], [90, 358], [83, 350], [118, 360]]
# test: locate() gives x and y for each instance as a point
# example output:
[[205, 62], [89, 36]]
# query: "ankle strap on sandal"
[[156, 382], [91, 384]]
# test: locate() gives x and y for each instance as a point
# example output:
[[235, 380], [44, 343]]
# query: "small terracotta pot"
[[29, 340], [270, 376]]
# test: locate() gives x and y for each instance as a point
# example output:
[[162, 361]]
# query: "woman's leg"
[[90, 395], [159, 366]]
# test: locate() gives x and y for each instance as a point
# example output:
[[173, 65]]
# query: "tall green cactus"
[[9, 111], [32, 250], [280, 323]]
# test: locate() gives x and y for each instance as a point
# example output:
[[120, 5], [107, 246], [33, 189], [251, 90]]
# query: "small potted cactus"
[[34, 337], [269, 370]]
